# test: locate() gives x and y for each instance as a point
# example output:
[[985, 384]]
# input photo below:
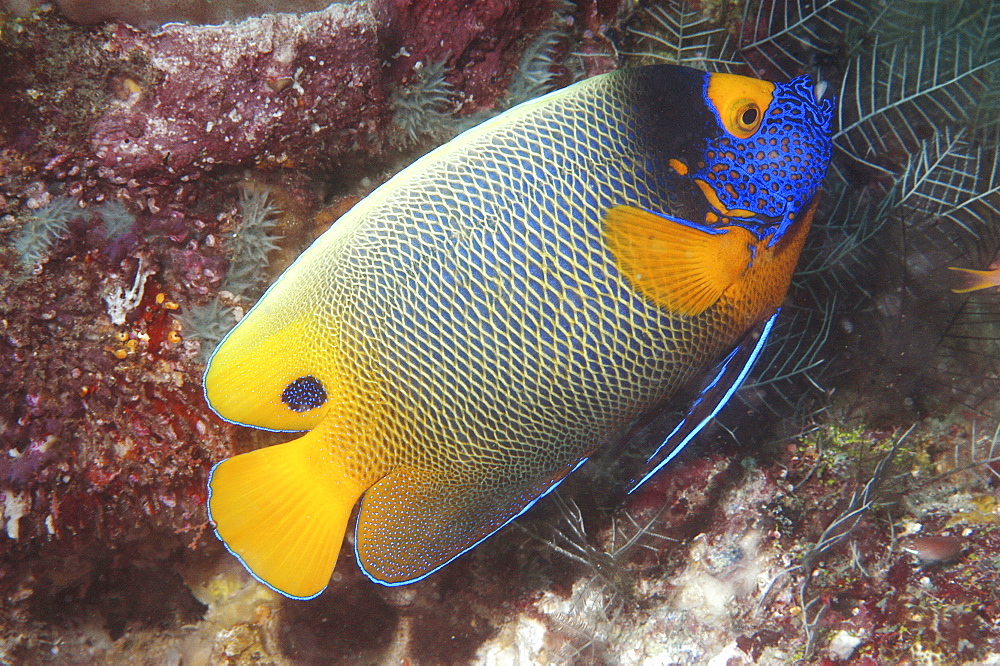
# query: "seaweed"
[[912, 189], [609, 564]]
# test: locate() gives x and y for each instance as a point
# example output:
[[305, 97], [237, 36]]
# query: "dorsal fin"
[[679, 265]]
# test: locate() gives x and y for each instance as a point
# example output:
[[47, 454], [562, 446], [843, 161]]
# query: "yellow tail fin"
[[283, 511]]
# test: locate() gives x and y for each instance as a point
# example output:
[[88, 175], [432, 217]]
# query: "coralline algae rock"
[[157, 12], [314, 91], [480, 41], [152, 12], [297, 91], [281, 90]]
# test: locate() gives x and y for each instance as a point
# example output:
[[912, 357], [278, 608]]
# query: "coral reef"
[[785, 570], [480, 49]]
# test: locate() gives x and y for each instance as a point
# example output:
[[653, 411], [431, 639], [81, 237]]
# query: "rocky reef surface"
[[155, 178]]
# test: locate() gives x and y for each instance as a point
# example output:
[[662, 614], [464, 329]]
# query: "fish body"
[[470, 332]]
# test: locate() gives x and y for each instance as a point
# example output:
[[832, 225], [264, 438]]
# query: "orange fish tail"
[[975, 280], [283, 511]]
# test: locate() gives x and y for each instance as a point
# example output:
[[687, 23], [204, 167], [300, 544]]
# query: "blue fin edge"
[[527, 506], [208, 509], [730, 391]]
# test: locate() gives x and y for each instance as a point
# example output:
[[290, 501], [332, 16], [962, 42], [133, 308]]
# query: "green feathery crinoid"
[[251, 243], [42, 228]]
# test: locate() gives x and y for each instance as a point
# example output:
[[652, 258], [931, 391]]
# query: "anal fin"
[[723, 383], [413, 521]]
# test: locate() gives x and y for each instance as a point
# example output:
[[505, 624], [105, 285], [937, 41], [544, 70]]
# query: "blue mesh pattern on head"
[[777, 170]]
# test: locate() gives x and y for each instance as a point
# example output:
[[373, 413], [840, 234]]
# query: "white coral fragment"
[[121, 301], [15, 507]]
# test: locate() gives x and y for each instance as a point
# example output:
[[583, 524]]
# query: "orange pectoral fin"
[[283, 511], [976, 280], [679, 265]]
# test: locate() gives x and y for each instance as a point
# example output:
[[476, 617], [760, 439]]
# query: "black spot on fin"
[[303, 394]]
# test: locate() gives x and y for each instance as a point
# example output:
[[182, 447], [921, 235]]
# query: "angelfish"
[[469, 333]]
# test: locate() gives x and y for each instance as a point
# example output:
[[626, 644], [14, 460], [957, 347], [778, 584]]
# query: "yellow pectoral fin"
[[976, 280], [677, 265], [283, 511]]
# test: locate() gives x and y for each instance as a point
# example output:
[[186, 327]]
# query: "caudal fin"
[[283, 511], [975, 280]]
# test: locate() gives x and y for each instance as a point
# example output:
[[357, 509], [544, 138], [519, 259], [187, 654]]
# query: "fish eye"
[[739, 103], [747, 116]]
